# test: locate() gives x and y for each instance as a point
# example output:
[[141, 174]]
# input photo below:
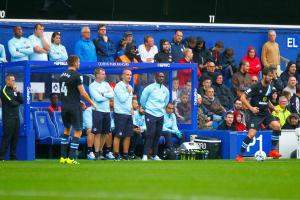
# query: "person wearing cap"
[[292, 122], [127, 39]]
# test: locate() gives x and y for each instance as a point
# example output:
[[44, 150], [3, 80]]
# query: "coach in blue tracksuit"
[[154, 99]]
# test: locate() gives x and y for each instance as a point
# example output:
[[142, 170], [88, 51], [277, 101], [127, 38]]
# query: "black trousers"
[[11, 131]]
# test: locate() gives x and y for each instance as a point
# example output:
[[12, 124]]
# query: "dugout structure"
[[25, 70]]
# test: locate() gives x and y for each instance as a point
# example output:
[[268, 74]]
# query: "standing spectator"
[[288, 72], [223, 93], [270, 54], [175, 90], [123, 114], [238, 121], [229, 65], [154, 100], [227, 124], [295, 101], [254, 62], [57, 51], [11, 99], [20, 48], [215, 54], [148, 50], [183, 109], [190, 42], [186, 74], [281, 112], [210, 72], [164, 55], [127, 39], [292, 122], [101, 93], [85, 47], [105, 48], [204, 121], [177, 46], [2, 54], [54, 107], [201, 54], [241, 80], [291, 86]]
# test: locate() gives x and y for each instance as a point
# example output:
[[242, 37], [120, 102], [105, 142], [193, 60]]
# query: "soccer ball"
[[260, 156]]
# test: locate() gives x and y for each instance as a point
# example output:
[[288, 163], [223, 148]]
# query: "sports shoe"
[[91, 156], [62, 160], [118, 157], [239, 158], [145, 158], [109, 156], [100, 157], [156, 158], [71, 162], [275, 154]]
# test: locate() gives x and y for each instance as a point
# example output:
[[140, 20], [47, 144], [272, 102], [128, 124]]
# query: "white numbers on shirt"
[[64, 89]]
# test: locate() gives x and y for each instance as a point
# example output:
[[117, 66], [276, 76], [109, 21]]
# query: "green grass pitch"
[[138, 180]]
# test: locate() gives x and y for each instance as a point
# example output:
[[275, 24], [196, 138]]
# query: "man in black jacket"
[[11, 100], [164, 55], [227, 125]]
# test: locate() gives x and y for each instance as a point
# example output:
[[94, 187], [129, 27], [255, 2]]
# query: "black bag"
[[170, 154], [210, 145]]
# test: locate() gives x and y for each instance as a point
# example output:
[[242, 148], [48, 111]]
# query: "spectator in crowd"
[[291, 86], [223, 93], [101, 93], [2, 54], [19, 47], [281, 112], [215, 54], [227, 124], [287, 94], [187, 88], [213, 104], [289, 71], [254, 62], [274, 98], [298, 64], [85, 47], [276, 82], [210, 72], [177, 46], [123, 114], [57, 51], [207, 83], [175, 90], [204, 121], [238, 121], [201, 54], [154, 100], [190, 42], [130, 54], [54, 107], [39, 44], [295, 101], [238, 106], [292, 122], [164, 55], [183, 109], [127, 39], [270, 54], [105, 48], [148, 50], [241, 80], [186, 74], [254, 80], [87, 118], [229, 65]]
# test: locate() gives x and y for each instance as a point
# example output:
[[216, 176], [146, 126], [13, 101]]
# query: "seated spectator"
[[170, 128], [2, 54], [229, 65], [210, 72], [289, 71], [187, 89], [213, 104], [127, 39], [238, 121], [238, 106], [215, 54], [190, 42], [227, 124], [175, 90], [186, 74], [292, 122], [183, 109], [53, 107], [57, 51], [241, 80], [204, 121], [19, 47], [105, 48], [254, 62], [274, 98], [130, 54], [39, 44], [295, 101], [291, 86], [164, 55], [207, 83], [281, 112], [223, 93], [85, 47], [148, 50], [287, 94], [201, 54], [254, 80]]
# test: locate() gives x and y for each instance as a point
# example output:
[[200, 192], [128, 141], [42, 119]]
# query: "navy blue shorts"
[[72, 117], [101, 122], [255, 121], [123, 125]]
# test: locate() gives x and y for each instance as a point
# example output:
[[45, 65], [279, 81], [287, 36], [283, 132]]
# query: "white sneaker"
[[145, 158], [156, 158], [91, 156], [110, 156]]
